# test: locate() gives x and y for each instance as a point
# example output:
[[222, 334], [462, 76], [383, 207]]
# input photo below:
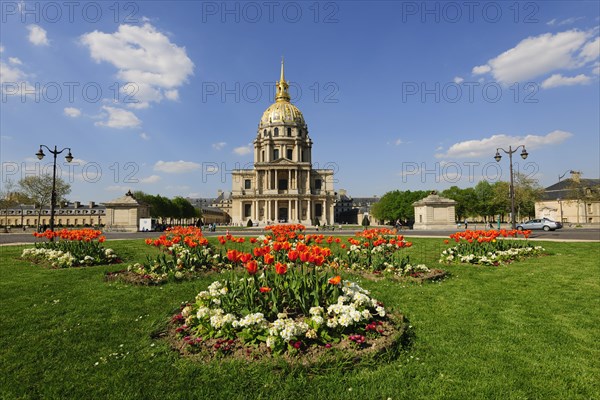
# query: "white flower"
[[316, 310]]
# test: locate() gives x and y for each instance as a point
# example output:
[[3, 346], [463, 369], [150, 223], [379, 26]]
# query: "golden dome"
[[282, 111]]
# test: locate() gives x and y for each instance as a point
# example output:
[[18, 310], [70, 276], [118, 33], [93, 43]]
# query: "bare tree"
[[39, 190]]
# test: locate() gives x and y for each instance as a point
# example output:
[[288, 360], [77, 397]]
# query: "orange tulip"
[[268, 258], [251, 267], [280, 268], [335, 280]]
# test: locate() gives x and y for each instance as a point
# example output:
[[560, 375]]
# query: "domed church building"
[[282, 186]]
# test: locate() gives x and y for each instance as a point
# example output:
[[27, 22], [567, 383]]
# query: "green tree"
[[466, 201], [527, 192], [484, 193], [396, 205], [501, 200], [166, 209]]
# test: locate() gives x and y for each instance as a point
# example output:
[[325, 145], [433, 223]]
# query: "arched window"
[[265, 132], [276, 132]]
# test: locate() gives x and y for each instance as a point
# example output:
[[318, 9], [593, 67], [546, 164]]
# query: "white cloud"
[[486, 147], [219, 145], [144, 136], [172, 94], [15, 61], [144, 57], [481, 69], [567, 21], [591, 51], [150, 179], [1, 49], [37, 35], [211, 168], [243, 150], [14, 80], [176, 167], [11, 74], [119, 118], [72, 112], [559, 80], [540, 55], [458, 80], [596, 69], [398, 142]]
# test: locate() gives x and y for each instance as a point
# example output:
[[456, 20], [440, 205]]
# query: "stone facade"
[[574, 201], [435, 213], [282, 186], [123, 214], [72, 214]]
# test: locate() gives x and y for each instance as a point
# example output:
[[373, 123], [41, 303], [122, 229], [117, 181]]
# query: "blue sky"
[[166, 97]]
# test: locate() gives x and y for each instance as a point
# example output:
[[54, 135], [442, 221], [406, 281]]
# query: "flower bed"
[[493, 247], [185, 253], [380, 252], [71, 248], [290, 300]]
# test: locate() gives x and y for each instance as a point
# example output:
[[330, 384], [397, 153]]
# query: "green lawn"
[[527, 331]]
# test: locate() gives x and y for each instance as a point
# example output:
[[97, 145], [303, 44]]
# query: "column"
[[289, 210], [309, 211], [267, 216]]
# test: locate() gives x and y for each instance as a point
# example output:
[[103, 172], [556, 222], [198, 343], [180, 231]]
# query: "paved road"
[[583, 234]]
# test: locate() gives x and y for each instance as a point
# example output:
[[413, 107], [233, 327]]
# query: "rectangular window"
[[247, 210], [282, 184], [318, 184], [247, 184], [290, 154], [318, 210], [275, 154]]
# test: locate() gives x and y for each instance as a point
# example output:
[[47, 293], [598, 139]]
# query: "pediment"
[[282, 161]]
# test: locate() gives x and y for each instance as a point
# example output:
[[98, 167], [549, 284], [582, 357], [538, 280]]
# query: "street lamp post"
[[69, 157], [498, 157]]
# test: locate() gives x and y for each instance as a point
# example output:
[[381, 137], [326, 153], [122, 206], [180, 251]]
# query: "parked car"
[[535, 224]]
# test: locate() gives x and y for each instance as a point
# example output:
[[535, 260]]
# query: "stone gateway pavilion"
[[282, 186]]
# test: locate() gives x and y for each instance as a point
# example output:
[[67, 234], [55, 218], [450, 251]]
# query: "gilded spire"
[[282, 87]]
